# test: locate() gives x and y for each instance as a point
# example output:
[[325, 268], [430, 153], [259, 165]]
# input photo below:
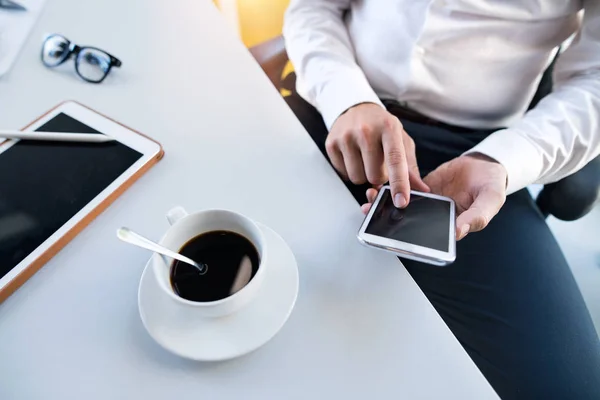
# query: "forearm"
[[319, 46], [562, 133]]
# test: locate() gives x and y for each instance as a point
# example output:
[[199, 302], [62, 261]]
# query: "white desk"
[[361, 327]]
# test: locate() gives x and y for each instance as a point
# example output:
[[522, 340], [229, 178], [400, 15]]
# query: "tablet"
[[49, 191]]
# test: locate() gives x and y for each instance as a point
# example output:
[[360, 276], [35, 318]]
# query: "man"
[[446, 84]]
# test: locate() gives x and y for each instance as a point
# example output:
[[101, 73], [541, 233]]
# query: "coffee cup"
[[184, 229]]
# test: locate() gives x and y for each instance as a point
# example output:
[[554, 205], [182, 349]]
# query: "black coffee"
[[232, 261]]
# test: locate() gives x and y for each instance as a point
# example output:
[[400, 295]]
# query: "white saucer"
[[180, 331]]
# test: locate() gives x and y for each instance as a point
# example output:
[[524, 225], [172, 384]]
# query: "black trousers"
[[510, 297]]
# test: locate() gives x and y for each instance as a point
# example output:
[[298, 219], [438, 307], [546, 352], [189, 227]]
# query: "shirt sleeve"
[[562, 133], [320, 49]]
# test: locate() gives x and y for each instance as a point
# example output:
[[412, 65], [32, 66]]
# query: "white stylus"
[[56, 136]]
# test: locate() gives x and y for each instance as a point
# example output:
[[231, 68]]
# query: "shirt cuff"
[[342, 92], [521, 158]]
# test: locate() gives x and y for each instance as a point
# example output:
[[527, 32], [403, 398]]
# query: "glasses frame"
[[74, 51]]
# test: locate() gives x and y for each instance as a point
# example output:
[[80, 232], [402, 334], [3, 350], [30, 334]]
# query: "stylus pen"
[[56, 136]]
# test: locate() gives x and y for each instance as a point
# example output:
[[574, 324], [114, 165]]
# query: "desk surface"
[[361, 327]]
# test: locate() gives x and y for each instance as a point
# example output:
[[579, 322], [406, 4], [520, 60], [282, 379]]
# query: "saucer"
[[179, 330]]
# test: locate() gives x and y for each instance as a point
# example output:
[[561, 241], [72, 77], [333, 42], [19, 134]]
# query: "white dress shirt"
[[472, 63]]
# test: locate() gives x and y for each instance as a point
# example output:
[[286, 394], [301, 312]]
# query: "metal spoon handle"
[[127, 235]]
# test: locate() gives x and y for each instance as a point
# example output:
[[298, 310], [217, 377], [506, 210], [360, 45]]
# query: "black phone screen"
[[424, 222], [44, 184]]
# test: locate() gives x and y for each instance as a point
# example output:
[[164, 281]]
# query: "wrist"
[[362, 106], [482, 157], [488, 159]]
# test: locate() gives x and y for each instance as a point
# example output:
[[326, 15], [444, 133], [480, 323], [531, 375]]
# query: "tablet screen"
[[44, 184]]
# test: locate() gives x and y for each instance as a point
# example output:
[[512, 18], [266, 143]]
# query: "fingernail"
[[399, 201], [464, 231]]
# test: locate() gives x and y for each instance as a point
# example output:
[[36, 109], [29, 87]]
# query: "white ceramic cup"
[[185, 227]]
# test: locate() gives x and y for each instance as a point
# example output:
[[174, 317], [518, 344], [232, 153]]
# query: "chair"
[[272, 58], [568, 199]]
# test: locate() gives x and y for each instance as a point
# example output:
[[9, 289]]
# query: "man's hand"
[[477, 185], [368, 144]]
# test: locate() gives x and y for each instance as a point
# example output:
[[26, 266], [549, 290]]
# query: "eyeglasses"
[[91, 64]]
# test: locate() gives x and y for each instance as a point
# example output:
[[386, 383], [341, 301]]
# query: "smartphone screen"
[[424, 222]]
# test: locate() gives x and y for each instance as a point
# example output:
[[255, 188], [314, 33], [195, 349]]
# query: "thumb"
[[486, 205]]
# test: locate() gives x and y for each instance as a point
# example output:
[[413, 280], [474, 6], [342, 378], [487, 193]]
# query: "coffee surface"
[[232, 261]]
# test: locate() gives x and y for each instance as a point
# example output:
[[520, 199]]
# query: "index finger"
[[395, 160]]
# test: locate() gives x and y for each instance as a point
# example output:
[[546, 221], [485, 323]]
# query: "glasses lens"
[[93, 64], [55, 50]]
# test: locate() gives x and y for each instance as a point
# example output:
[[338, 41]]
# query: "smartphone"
[[423, 231]]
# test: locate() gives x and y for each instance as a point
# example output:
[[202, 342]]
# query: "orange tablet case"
[[62, 242]]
